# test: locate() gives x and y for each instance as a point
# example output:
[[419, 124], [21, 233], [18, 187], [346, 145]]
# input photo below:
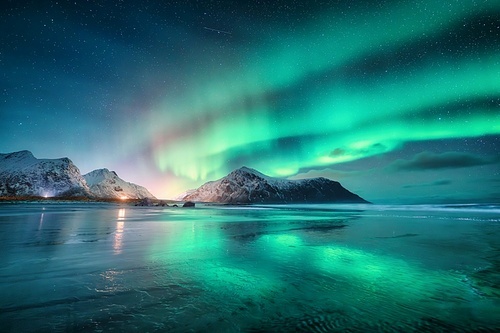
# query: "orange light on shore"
[[123, 197]]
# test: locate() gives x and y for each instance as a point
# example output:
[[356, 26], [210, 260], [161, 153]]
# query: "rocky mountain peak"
[[22, 174], [246, 185], [106, 184], [20, 154], [97, 175], [245, 172]]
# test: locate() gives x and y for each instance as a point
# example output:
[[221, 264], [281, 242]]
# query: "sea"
[[102, 267]]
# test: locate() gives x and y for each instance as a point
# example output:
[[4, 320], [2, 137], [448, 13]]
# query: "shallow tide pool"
[[303, 268]]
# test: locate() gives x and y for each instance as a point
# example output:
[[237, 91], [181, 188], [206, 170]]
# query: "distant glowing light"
[[47, 194], [123, 197]]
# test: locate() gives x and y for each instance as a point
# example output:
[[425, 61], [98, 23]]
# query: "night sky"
[[397, 100]]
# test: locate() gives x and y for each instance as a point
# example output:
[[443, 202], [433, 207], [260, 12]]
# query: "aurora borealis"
[[397, 100]]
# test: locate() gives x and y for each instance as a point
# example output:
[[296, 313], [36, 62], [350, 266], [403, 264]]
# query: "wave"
[[472, 207], [488, 209]]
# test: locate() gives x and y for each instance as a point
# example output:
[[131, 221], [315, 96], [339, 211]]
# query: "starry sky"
[[397, 100]]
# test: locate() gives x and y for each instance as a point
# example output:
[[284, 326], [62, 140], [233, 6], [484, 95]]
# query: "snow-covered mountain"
[[247, 185], [106, 184], [21, 174]]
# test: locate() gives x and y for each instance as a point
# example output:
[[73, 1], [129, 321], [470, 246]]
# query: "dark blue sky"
[[398, 100]]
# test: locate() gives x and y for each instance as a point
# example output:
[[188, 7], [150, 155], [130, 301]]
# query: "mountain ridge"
[[105, 183], [247, 185], [22, 174]]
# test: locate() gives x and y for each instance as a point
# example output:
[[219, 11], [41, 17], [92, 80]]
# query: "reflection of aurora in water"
[[267, 269], [326, 277]]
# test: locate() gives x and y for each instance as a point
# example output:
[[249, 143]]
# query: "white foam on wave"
[[486, 208]]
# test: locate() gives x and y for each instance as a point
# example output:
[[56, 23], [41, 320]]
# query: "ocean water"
[[73, 267]]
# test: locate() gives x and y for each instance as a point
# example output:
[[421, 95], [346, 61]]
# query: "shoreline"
[[80, 199]]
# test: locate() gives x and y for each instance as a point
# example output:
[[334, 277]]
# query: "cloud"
[[368, 150], [326, 173], [436, 183], [441, 182], [337, 152], [449, 160]]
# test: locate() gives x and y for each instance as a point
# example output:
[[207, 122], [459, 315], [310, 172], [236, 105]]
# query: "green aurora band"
[[291, 103]]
